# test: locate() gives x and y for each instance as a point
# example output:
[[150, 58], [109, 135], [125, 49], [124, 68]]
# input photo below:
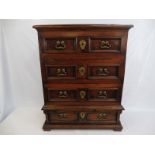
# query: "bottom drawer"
[[72, 117]]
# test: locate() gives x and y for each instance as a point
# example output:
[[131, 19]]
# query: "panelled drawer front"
[[103, 71], [85, 94], [102, 116], [61, 71], [59, 44], [81, 71], [65, 116], [62, 95], [110, 94], [105, 45], [82, 44]]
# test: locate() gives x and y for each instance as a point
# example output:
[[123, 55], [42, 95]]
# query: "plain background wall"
[[22, 61]]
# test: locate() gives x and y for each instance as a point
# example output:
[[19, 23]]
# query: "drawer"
[[102, 116], [59, 44], [102, 44], [103, 71], [105, 94], [83, 44], [59, 72], [79, 117], [62, 94], [76, 69], [65, 116], [83, 94]]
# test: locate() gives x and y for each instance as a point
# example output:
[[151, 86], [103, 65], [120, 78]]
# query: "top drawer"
[[82, 44], [105, 44], [83, 38]]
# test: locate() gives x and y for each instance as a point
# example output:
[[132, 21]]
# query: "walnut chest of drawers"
[[82, 70]]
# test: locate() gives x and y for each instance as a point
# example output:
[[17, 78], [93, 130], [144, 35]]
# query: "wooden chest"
[[82, 70]]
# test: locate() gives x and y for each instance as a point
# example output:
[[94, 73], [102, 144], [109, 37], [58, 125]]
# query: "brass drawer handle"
[[82, 71], [102, 94], [105, 44], [62, 115], [101, 115], [102, 72], [63, 94], [82, 94], [60, 45], [61, 72], [82, 44], [82, 115]]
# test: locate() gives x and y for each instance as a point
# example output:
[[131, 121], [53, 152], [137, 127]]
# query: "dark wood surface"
[[83, 26], [82, 70]]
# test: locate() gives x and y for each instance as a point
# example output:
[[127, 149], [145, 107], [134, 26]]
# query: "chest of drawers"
[[82, 70]]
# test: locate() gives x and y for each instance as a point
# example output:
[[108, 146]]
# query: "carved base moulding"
[[115, 127]]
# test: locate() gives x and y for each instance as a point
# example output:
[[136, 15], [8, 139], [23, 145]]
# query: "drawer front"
[[105, 44], [103, 117], [76, 69], [83, 44], [85, 94], [62, 95], [61, 72], [103, 71], [110, 94], [65, 116], [59, 44]]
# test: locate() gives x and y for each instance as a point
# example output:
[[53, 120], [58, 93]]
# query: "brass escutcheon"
[[82, 115], [82, 94], [82, 71], [82, 44]]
